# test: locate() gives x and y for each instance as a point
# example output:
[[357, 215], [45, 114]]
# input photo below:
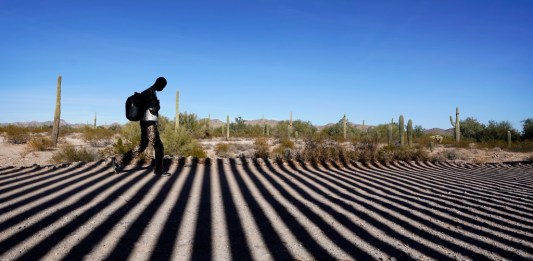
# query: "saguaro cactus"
[[410, 133], [401, 130], [289, 128], [344, 126], [456, 125], [227, 128], [57, 114], [94, 120], [177, 120], [509, 139], [389, 134]]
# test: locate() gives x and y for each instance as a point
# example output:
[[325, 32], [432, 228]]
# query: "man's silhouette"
[[149, 130]]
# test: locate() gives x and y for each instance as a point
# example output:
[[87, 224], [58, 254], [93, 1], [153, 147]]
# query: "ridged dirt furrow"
[[413, 215], [447, 195], [235, 209], [437, 214], [483, 176], [445, 184], [416, 199]]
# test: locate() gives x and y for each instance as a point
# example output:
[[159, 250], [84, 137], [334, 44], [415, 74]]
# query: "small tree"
[[527, 129]]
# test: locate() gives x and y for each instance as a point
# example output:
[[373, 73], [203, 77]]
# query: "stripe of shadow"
[[5, 168], [43, 247], [138, 227], [20, 180], [384, 246], [415, 229], [439, 206], [202, 240], [357, 253], [40, 186], [477, 182], [127, 242], [21, 176], [17, 172], [164, 248], [409, 178], [298, 230], [238, 245], [58, 199], [274, 243], [33, 229]]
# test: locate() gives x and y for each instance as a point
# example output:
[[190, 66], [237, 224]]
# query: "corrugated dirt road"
[[233, 209]]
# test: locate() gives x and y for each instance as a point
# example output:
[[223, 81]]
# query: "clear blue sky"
[[372, 60]]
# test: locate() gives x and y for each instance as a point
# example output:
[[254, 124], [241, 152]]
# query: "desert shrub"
[[305, 129], [498, 131], [527, 129], [97, 136], [284, 149], [118, 148], [366, 151], [39, 143], [69, 154], [262, 150], [471, 128], [17, 134], [523, 146], [389, 153], [225, 150], [131, 133], [181, 143], [197, 151], [320, 149]]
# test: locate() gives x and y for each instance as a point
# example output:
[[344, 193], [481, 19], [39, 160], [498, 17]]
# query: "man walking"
[[149, 130]]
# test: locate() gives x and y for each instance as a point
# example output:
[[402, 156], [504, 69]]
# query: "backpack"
[[134, 111]]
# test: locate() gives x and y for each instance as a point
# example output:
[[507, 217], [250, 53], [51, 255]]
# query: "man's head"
[[160, 84]]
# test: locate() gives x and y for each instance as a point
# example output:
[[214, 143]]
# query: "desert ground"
[[245, 209]]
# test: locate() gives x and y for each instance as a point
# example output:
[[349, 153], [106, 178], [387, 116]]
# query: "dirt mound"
[[232, 209]]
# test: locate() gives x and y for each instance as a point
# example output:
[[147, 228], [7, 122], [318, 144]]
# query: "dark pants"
[[149, 135]]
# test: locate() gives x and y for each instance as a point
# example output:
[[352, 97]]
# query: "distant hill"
[[50, 123]]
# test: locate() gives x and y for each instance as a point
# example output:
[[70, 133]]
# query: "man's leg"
[[158, 148]]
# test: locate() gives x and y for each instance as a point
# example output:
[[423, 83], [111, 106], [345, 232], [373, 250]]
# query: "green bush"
[[390, 153], [224, 150], [40, 143], [181, 143], [262, 150], [527, 129], [97, 136], [284, 149], [17, 134], [69, 154]]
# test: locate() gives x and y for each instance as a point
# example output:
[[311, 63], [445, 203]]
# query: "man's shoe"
[[162, 174]]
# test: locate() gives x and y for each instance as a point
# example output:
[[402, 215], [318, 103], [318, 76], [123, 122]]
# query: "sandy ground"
[[229, 209]]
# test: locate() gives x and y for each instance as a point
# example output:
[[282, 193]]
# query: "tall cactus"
[[94, 120], [509, 139], [401, 128], [57, 114], [456, 125], [289, 128], [389, 134], [177, 120], [344, 126], [227, 128], [410, 133]]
